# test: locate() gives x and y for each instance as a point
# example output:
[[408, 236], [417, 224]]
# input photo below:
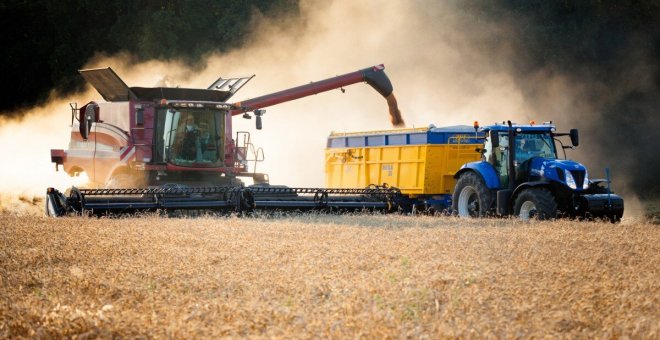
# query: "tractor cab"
[[527, 142]]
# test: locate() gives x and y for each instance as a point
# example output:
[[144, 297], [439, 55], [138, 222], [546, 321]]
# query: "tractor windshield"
[[191, 137], [530, 145]]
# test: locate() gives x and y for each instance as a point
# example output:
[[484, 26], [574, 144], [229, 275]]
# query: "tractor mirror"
[[494, 139], [259, 126], [575, 140]]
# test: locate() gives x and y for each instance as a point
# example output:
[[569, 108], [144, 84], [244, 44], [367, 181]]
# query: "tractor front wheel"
[[471, 196], [535, 203]]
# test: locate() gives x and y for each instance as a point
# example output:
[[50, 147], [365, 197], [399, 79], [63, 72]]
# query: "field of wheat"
[[311, 275]]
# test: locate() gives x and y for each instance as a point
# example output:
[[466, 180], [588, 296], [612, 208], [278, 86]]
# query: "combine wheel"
[[471, 197], [535, 203]]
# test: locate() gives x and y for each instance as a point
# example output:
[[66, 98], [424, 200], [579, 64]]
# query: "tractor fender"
[[527, 185], [485, 170]]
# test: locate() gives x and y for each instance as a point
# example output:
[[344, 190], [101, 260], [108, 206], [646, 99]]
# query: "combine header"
[[218, 199]]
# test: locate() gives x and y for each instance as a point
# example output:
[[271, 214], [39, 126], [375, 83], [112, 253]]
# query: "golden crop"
[[310, 276]]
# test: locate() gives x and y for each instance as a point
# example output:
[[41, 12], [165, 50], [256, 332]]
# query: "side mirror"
[[575, 139], [86, 120], [494, 139]]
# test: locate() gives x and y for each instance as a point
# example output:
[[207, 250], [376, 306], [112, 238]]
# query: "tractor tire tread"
[[485, 195], [545, 202]]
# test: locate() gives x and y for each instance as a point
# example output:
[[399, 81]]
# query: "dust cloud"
[[25, 148], [428, 62], [434, 54]]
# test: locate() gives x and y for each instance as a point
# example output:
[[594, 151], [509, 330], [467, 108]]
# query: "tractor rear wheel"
[[471, 196], [535, 203]]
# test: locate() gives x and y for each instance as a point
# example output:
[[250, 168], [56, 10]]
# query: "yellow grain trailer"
[[421, 162]]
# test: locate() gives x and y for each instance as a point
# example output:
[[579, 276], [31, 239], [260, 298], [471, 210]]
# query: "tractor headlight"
[[585, 184], [570, 181]]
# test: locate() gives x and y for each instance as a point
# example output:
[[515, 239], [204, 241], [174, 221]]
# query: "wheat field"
[[313, 275]]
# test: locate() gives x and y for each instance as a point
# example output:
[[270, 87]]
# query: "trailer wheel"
[[471, 196], [535, 203]]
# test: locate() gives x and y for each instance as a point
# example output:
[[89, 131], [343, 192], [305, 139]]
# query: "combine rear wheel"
[[471, 196], [535, 203]]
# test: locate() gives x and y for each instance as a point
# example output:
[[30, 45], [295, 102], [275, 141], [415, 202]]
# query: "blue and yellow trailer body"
[[421, 162]]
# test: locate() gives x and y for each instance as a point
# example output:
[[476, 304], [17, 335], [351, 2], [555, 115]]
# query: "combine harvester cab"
[[521, 174], [147, 149]]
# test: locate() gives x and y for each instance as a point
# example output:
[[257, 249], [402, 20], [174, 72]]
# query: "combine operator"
[[191, 143]]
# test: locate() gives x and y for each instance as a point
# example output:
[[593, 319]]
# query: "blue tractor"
[[521, 174]]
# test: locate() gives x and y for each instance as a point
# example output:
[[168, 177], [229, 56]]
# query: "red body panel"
[[116, 142]]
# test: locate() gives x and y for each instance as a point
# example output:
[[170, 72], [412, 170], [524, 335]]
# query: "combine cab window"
[[191, 137]]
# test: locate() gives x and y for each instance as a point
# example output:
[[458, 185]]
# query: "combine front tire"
[[535, 203], [471, 196]]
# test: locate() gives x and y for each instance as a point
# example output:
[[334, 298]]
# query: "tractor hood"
[[570, 173]]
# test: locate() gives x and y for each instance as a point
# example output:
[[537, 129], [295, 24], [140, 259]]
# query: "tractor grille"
[[578, 175]]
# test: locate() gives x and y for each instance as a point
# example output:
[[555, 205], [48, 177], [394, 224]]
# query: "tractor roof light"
[[531, 122]]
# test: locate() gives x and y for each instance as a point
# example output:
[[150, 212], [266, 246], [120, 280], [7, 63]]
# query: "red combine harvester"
[[174, 148]]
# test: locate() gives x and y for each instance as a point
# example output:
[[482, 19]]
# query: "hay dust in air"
[[443, 74], [26, 169], [320, 276], [295, 132]]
